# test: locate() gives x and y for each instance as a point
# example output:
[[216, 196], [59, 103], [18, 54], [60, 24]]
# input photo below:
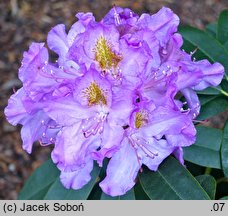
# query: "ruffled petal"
[[32, 59], [161, 91], [36, 124], [120, 16], [112, 137], [177, 61], [85, 18], [179, 154], [164, 23], [121, 171], [186, 137], [212, 74], [165, 120], [122, 106], [71, 148], [163, 150], [57, 40], [33, 129], [83, 49], [35, 81], [66, 111], [77, 179], [135, 57], [15, 112], [80, 26], [192, 101]]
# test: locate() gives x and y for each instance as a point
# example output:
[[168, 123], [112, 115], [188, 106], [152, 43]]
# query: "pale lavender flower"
[[112, 93]]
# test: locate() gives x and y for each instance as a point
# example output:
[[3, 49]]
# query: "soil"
[[24, 21]]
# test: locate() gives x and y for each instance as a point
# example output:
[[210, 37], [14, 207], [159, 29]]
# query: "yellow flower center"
[[104, 54], [95, 95], [141, 118]]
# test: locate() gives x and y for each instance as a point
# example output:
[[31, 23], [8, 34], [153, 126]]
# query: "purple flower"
[[91, 117], [144, 144], [112, 93], [36, 124]]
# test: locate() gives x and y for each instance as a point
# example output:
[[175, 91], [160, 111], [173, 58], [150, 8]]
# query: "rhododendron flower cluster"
[[121, 89]]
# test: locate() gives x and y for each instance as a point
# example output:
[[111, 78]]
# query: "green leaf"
[[139, 192], [130, 195], [223, 27], [224, 150], [44, 183], [204, 99], [208, 183], [225, 45], [210, 91], [206, 44], [189, 47], [206, 150], [224, 198], [224, 85], [39, 181], [171, 182], [213, 107], [95, 194], [58, 192], [212, 29]]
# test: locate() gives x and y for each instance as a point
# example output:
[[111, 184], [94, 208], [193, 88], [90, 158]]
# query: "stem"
[[208, 170], [226, 77], [223, 179], [224, 92]]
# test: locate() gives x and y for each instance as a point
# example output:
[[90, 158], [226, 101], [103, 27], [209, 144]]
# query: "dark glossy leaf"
[[206, 150], [213, 107], [139, 192], [210, 91], [206, 44], [223, 27], [224, 198], [225, 45], [224, 85], [171, 182], [58, 192], [189, 47], [208, 183], [224, 150], [95, 193], [39, 181], [130, 195], [212, 29], [206, 98], [44, 184]]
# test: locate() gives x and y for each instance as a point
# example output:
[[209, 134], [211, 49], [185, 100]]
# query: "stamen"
[[105, 56], [43, 72], [194, 51], [141, 118], [162, 73], [141, 144], [95, 95], [116, 16], [200, 121], [135, 149], [93, 126]]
